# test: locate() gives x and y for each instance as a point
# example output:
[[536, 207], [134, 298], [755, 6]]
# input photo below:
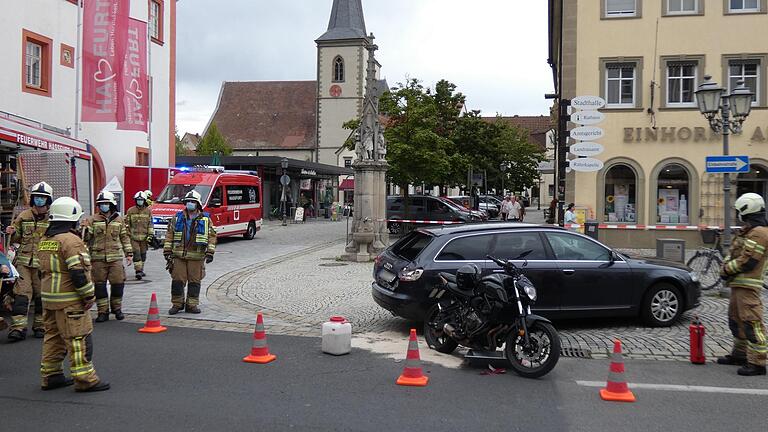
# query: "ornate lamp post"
[[284, 180], [713, 100]]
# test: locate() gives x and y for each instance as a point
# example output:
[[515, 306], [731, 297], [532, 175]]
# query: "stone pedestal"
[[369, 227]]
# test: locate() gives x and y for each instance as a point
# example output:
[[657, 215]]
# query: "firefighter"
[[148, 196], [68, 294], [189, 244], [26, 230], [743, 272], [108, 240], [139, 221]]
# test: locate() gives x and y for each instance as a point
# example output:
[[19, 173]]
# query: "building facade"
[[646, 59]]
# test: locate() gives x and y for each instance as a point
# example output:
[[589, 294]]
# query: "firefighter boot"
[[738, 359], [750, 369], [193, 298], [39, 333], [177, 297], [57, 381], [99, 386], [17, 335], [38, 329], [102, 302], [116, 302], [139, 274]]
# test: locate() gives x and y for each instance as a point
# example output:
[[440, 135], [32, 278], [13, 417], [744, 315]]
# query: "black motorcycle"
[[490, 312]]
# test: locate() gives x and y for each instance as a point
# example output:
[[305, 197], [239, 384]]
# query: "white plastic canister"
[[337, 336]]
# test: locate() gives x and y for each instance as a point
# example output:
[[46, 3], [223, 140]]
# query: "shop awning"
[[347, 184]]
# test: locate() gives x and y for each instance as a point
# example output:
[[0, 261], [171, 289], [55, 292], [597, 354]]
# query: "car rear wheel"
[[250, 233], [662, 305]]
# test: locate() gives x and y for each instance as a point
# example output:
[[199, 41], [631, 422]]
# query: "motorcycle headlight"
[[530, 291], [411, 275]]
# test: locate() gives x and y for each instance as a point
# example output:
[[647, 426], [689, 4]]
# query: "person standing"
[[513, 209], [503, 211], [68, 294], [26, 230], [190, 243], [148, 196], [139, 222], [570, 216], [108, 240], [743, 272], [552, 216]]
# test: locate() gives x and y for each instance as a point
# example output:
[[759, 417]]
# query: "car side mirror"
[[215, 202], [611, 260]]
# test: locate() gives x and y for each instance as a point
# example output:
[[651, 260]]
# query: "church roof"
[[347, 21], [262, 115]]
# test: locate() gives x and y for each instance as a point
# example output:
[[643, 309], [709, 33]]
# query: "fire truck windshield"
[[174, 193]]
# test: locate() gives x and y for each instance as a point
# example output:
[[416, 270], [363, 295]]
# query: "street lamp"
[[503, 169], [284, 180], [711, 100]]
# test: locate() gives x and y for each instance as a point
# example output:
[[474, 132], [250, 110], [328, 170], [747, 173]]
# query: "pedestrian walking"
[[68, 294], [552, 216], [139, 223], [26, 230], [503, 211], [570, 216], [189, 244], [107, 238], [743, 273]]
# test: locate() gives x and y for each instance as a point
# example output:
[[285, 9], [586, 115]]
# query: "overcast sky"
[[495, 51]]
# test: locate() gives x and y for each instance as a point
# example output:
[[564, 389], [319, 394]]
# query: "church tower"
[[341, 63]]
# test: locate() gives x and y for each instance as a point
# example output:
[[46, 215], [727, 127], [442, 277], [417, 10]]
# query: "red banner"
[[105, 29], [133, 87]]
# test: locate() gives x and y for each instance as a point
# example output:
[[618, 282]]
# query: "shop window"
[[672, 195], [156, 20], [36, 63], [755, 181], [142, 156], [621, 8], [338, 69], [620, 194]]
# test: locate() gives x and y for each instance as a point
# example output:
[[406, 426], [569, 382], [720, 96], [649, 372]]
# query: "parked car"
[[490, 208], [423, 209], [477, 215], [576, 276]]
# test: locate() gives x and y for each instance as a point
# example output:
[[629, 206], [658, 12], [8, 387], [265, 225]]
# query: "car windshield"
[[410, 246], [174, 193]]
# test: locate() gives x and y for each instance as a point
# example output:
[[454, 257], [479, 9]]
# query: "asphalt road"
[[188, 379]]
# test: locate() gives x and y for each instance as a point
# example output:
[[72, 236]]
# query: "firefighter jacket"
[[30, 227], [748, 245], [107, 239], [139, 222], [190, 239], [58, 255]]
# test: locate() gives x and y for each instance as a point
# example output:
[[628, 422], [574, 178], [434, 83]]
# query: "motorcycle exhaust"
[[449, 330]]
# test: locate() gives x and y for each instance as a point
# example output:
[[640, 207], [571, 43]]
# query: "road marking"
[[683, 388]]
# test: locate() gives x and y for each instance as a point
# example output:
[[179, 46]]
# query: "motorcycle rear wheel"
[[437, 339], [540, 357]]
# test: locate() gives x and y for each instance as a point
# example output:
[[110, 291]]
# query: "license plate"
[[387, 277], [160, 234]]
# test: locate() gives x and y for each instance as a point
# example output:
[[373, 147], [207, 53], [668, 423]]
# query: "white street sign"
[[586, 164], [587, 117], [586, 149], [587, 102], [587, 133]]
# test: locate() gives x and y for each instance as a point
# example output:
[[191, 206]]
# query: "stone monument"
[[369, 227]]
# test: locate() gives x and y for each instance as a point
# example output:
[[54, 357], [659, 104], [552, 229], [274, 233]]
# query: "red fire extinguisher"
[[697, 341]]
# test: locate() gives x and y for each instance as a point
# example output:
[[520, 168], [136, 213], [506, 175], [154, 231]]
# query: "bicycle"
[[707, 262]]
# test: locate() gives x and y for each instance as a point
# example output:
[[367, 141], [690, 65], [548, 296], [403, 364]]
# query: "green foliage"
[[350, 125], [213, 141], [180, 149]]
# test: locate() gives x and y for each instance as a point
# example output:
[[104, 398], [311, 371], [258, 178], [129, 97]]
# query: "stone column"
[[369, 227]]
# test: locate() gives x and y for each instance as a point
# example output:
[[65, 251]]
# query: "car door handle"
[[569, 271]]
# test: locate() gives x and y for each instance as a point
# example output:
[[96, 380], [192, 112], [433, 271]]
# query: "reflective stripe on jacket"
[[139, 222], [58, 255], [30, 227], [179, 242], [107, 240], [748, 245]]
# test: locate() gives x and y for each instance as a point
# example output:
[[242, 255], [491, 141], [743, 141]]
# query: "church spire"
[[347, 21]]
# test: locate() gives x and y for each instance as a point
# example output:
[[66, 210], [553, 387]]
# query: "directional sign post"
[[727, 164]]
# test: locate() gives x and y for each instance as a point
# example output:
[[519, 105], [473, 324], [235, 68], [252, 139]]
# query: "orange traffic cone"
[[412, 374], [259, 351], [616, 388], [153, 318]]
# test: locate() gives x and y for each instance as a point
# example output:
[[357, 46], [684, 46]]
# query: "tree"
[[213, 141]]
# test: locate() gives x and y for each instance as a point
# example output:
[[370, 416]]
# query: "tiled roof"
[[263, 115], [537, 126], [347, 21]]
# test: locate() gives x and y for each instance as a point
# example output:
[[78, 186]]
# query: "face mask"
[[139, 202], [104, 208], [191, 206], [40, 201]]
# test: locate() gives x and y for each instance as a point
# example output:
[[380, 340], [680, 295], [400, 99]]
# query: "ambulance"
[[231, 198]]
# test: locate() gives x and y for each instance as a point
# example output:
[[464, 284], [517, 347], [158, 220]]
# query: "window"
[[681, 83], [156, 20], [620, 194], [682, 7], [672, 195], [620, 84], [217, 194], [348, 162], [242, 195], [142, 156], [511, 245], [620, 8], [747, 71], [571, 247], [395, 204], [744, 6], [470, 248], [36, 64], [338, 69], [437, 207], [410, 246]]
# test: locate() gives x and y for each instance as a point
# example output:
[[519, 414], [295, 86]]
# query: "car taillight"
[[377, 260], [411, 275]]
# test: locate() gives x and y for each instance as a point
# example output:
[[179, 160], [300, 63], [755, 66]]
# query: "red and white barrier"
[[653, 227], [431, 222]]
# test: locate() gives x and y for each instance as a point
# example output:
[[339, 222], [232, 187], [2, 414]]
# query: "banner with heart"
[[105, 34], [133, 85]]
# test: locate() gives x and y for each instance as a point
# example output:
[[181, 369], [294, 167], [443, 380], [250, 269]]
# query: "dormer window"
[[338, 69]]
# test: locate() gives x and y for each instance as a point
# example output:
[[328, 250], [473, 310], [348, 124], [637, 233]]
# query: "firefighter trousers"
[[745, 319], [68, 331], [101, 272], [26, 293], [187, 273], [139, 254]]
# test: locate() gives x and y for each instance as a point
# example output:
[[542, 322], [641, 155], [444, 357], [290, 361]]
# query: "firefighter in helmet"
[[68, 294], [108, 240], [190, 243], [743, 271], [26, 230], [148, 196], [139, 221]]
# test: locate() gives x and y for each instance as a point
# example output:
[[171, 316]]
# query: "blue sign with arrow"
[[727, 164]]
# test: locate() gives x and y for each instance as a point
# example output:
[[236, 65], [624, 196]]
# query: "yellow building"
[[646, 58]]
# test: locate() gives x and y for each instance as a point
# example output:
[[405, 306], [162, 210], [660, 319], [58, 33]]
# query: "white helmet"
[[42, 189], [749, 203], [65, 209], [195, 197], [148, 194], [106, 197], [140, 195]]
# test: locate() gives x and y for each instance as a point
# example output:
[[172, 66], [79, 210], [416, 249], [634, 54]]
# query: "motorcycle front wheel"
[[438, 340], [540, 356]]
